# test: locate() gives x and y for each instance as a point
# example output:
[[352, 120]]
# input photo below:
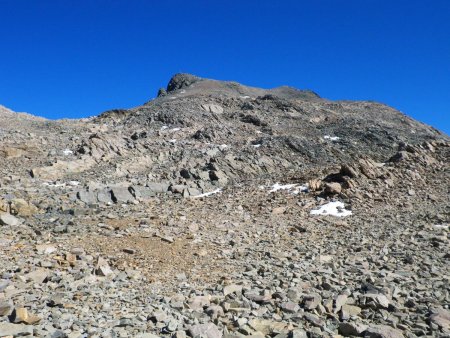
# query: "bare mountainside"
[[218, 209]]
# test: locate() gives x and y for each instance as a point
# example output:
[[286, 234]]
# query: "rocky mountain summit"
[[221, 210]]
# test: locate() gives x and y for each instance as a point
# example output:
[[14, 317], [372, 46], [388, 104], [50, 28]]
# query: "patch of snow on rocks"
[[293, 188], [54, 185], [441, 226], [331, 138], [256, 145], [206, 194], [172, 140], [335, 208], [67, 152]]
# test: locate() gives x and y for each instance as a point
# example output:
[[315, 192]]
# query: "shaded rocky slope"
[[218, 209]]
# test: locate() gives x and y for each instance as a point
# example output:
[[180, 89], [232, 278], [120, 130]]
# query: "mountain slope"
[[221, 210]]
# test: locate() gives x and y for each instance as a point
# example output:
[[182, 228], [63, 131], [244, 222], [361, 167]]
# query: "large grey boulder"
[[121, 195], [208, 330]]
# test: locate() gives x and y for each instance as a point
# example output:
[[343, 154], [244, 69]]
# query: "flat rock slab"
[[15, 330], [8, 219], [383, 331], [121, 195], [208, 330]]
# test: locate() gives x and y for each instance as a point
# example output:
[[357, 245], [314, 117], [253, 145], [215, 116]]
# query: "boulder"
[[212, 108], [8, 219], [121, 195], [440, 317], [332, 188], [15, 330], [142, 193], [208, 330], [87, 197], [23, 208], [158, 187], [382, 331]]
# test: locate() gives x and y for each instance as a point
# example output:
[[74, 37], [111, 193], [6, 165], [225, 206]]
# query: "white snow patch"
[[182, 91], [331, 138], [172, 140], [333, 209], [292, 188], [73, 183], [256, 145], [441, 226], [67, 152], [278, 186], [206, 194], [164, 127], [245, 97], [223, 146], [175, 129], [54, 185], [300, 188]]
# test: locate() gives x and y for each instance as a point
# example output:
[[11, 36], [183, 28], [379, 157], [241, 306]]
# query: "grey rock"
[[15, 330], [87, 197], [352, 328], [382, 331], [121, 195], [208, 330], [440, 317], [8, 219]]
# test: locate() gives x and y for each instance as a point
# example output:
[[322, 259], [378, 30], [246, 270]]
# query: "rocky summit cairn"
[[222, 210]]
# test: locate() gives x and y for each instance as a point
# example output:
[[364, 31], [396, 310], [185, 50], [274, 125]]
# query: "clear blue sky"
[[75, 58]]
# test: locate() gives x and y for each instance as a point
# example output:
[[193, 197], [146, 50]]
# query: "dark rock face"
[[180, 81], [218, 209]]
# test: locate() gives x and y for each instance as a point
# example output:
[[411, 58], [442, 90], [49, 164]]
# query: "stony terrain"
[[220, 210]]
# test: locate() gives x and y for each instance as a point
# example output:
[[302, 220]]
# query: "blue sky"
[[65, 58]]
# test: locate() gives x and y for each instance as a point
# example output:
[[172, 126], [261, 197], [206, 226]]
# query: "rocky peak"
[[181, 80]]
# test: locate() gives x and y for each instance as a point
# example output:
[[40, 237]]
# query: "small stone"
[[349, 311], [5, 308], [8, 219], [45, 249], [314, 319], [37, 276], [310, 302], [278, 210], [298, 334], [102, 268], [290, 307], [232, 288], [340, 300], [379, 299], [315, 185], [21, 315]]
